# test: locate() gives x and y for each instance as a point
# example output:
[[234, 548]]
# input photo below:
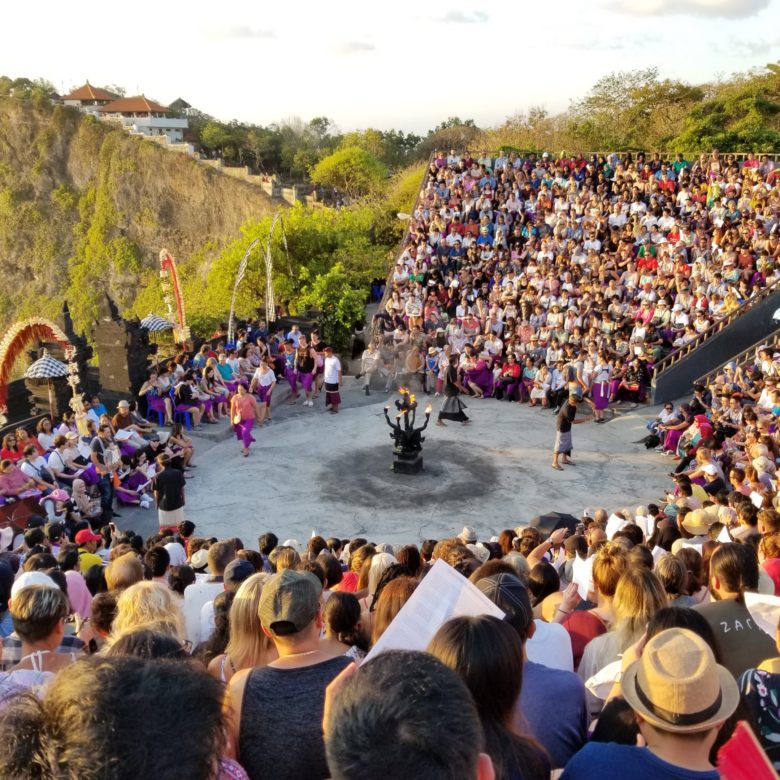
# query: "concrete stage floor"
[[312, 471]]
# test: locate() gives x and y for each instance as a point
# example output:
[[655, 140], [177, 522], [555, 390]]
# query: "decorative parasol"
[[156, 324], [45, 369]]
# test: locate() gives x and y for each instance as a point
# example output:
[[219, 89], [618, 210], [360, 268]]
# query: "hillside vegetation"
[[86, 208]]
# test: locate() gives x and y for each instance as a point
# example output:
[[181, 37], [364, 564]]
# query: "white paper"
[[582, 575], [646, 524], [123, 435], [443, 594], [600, 684], [724, 537], [765, 610], [614, 524], [658, 553], [757, 499]]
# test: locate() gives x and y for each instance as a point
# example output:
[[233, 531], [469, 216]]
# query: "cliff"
[[85, 209]]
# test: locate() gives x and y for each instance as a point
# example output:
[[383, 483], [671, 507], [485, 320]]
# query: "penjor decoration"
[[169, 281], [408, 439], [239, 277]]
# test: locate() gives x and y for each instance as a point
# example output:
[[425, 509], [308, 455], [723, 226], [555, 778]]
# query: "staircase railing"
[[679, 354], [772, 342]]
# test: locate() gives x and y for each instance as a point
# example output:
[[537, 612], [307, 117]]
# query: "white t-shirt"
[[265, 379], [330, 373], [550, 645]]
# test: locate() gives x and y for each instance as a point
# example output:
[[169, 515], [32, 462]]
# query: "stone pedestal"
[[407, 462]]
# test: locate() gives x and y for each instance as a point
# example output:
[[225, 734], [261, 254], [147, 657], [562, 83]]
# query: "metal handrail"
[[771, 341], [678, 354]]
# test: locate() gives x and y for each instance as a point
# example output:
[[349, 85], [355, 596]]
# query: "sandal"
[[558, 468]]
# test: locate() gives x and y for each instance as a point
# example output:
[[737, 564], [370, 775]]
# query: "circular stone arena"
[[332, 474]]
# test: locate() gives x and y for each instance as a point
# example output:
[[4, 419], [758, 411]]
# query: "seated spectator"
[[485, 653], [277, 709], [181, 733], [378, 718], [740, 642], [38, 612], [560, 730], [248, 646], [681, 697]]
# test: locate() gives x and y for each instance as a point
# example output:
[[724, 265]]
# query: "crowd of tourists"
[[534, 280], [531, 277], [118, 652]]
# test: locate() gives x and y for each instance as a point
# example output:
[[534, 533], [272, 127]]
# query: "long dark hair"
[[485, 653], [341, 614]]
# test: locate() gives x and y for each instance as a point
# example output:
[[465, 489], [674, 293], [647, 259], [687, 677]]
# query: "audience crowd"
[[538, 275], [629, 640]]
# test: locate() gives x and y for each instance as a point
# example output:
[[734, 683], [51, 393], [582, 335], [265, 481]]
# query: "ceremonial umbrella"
[[45, 369], [156, 324]]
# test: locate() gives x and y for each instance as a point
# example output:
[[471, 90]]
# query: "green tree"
[[352, 170], [341, 305], [214, 135]]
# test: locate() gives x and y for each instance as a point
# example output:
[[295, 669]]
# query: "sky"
[[402, 64]]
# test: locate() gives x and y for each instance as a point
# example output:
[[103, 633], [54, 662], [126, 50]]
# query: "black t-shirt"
[[741, 643], [566, 417], [169, 487]]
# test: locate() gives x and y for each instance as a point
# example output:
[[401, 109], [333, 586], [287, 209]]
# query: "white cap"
[[32, 578]]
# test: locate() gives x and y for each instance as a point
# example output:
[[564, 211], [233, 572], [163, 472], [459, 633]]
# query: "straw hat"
[[697, 522], [677, 686]]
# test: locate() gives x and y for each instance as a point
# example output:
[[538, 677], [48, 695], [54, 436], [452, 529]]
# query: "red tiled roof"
[[134, 105], [88, 92]]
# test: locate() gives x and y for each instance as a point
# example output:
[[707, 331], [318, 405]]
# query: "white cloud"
[[243, 31], [731, 9], [356, 47], [465, 17]]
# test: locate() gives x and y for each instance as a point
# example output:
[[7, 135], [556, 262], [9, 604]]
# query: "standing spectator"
[[331, 374], [169, 493]]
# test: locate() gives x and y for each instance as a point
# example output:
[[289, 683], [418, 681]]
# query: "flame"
[[428, 409], [412, 398], [403, 390]]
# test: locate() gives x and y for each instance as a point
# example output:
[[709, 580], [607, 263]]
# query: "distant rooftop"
[[88, 92], [179, 105], [134, 105]]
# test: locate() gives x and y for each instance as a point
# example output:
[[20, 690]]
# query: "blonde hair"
[[148, 603], [608, 565], [638, 596], [248, 646], [285, 558]]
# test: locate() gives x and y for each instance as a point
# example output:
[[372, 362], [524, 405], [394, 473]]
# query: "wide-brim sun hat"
[[677, 686]]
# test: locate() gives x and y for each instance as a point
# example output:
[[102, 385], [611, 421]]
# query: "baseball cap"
[[236, 572], [123, 404], [508, 592], [30, 578], [289, 602], [85, 535]]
